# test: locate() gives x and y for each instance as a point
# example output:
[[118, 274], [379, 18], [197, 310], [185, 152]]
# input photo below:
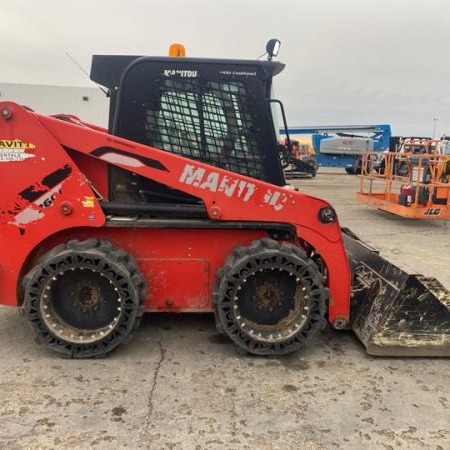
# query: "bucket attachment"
[[394, 313]]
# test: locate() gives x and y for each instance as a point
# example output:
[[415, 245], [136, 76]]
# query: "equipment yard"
[[178, 384]]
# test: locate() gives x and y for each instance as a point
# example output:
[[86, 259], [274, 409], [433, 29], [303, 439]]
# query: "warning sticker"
[[88, 202], [15, 150]]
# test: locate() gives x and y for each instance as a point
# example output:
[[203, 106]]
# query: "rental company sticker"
[[15, 150]]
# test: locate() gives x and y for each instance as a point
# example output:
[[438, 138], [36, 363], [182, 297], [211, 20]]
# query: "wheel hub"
[[268, 296], [272, 304], [93, 311], [87, 294]]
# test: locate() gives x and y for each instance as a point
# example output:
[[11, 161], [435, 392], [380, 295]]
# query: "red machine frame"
[[73, 158]]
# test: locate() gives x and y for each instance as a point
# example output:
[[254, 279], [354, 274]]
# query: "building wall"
[[88, 103]]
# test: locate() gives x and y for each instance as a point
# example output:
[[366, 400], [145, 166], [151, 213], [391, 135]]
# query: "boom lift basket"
[[413, 184]]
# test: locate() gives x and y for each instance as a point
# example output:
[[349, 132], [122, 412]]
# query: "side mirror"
[[272, 48]]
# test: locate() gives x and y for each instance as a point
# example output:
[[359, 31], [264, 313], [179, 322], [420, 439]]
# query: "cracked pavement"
[[179, 385]]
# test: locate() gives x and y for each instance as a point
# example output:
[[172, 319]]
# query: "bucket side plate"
[[394, 313]]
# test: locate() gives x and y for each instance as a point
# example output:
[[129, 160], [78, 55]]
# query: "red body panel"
[[179, 265], [30, 202], [226, 195]]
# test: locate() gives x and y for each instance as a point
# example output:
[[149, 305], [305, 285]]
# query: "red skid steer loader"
[[181, 206]]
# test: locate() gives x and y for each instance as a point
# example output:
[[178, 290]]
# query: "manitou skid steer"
[[180, 206]]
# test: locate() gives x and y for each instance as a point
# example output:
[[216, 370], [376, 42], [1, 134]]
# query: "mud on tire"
[[84, 298], [270, 298]]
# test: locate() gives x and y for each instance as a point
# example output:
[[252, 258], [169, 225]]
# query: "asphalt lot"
[[179, 385]]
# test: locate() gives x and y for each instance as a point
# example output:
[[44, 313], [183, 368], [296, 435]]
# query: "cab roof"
[[107, 70]]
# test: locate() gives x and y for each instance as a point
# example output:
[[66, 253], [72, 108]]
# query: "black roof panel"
[[107, 70]]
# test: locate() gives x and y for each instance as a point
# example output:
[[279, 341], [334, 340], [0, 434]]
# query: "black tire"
[[84, 298], [313, 163], [350, 170], [356, 167], [270, 298]]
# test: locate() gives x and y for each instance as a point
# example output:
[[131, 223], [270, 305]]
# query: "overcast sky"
[[347, 61]]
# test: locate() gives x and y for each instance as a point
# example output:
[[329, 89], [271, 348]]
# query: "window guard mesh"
[[206, 121]]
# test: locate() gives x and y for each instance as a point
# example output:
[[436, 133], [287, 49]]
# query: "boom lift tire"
[[355, 169], [270, 298], [84, 298]]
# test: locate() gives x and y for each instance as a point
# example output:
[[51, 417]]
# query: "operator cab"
[[211, 110]]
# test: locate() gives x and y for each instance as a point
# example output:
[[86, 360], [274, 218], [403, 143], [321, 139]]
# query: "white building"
[[88, 103]]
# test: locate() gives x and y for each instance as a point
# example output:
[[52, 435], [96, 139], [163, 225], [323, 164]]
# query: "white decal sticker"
[[214, 182], [31, 214], [192, 175], [15, 150], [228, 186], [211, 182], [181, 73], [26, 216], [276, 199], [115, 158], [237, 73], [49, 197]]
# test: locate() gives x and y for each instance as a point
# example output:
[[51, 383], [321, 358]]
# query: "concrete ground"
[[179, 385]]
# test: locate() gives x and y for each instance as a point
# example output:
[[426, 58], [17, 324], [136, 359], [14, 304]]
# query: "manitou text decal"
[[231, 187], [15, 150], [180, 73], [214, 182], [276, 199]]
